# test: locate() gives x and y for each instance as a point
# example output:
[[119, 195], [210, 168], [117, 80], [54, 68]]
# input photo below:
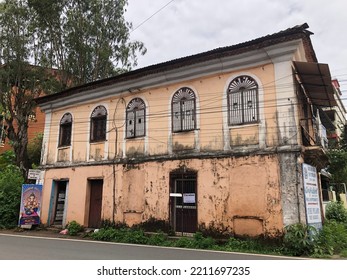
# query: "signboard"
[[34, 174], [30, 208], [189, 198], [311, 192]]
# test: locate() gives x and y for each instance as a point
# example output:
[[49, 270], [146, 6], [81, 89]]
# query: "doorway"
[[183, 201], [59, 203], [95, 203]]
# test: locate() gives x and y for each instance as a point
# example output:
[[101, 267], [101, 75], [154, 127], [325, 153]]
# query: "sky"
[[172, 29]]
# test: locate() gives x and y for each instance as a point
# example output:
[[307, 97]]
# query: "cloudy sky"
[[177, 28]]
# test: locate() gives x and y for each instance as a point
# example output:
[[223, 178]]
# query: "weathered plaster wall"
[[211, 134], [232, 193], [77, 203], [292, 189]]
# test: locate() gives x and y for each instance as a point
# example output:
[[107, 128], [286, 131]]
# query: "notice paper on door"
[[189, 198]]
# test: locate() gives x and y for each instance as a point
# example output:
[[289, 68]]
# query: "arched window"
[[183, 110], [243, 101], [98, 124], [65, 130], [135, 118]]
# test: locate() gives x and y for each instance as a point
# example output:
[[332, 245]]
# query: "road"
[[17, 247]]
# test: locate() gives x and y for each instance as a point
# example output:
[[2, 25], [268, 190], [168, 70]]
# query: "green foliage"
[[133, 236], [74, 228], [198, 242], [159, 239], [34, 150], [11, 181], [201, 242], [104, 234], [254, 245], [336, 211], [184, 242], [111, 224], [338, 165], [299, 239], [155, 225], [343, 254], [91, 38], [332, 238], [6, 159], [82, 41], [123, 235]]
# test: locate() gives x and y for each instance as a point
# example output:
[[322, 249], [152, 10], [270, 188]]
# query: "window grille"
[[135, 118], [98, 124], [243, 105], [183, 110], [65, 130]]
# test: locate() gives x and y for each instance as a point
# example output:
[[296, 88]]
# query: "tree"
[[34, 150], [79, 42], [338, 165], [11, 181], [19, 82], [88, 40]]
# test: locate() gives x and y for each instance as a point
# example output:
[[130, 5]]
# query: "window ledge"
[[244, 125], [135, 138], [64, 147], [97, 142]]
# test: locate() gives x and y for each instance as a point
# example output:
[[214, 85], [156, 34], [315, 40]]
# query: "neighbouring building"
[[217, 139], [335, 117], [35, 127]]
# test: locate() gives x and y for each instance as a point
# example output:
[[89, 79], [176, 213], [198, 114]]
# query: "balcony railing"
[[313, 134]]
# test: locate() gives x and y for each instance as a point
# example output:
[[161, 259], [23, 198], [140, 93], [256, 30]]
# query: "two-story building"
[[215, 139]]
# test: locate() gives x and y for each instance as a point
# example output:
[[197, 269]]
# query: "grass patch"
[[298, 239]]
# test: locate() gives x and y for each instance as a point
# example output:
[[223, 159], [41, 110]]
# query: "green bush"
[[159, 239], [112, 224], [299, 239], [123, 235], [74, 228], [197, 242], [104, 234], [34, 150], [336, 211], [11, 181], [201, 242], [184, 242], [133, 236], [6, 159], [332, 238], [154, 225]]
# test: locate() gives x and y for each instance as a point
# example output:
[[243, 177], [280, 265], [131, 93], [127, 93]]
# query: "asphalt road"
[[17, 247]]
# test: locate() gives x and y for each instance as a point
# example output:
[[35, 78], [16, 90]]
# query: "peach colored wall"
[[245, 135], [232, 192], [209, 136], [77, 191], [240, 195]]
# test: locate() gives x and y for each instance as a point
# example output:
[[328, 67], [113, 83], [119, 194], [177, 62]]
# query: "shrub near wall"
[[11, 181]]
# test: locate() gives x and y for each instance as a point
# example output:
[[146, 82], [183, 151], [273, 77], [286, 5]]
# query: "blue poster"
[[30, 208]]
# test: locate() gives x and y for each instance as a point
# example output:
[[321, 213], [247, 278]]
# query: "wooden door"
[[95, 205]]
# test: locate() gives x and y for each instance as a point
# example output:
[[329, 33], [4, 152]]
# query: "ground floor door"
[[59, 203], [95, 205], [183, 201]]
